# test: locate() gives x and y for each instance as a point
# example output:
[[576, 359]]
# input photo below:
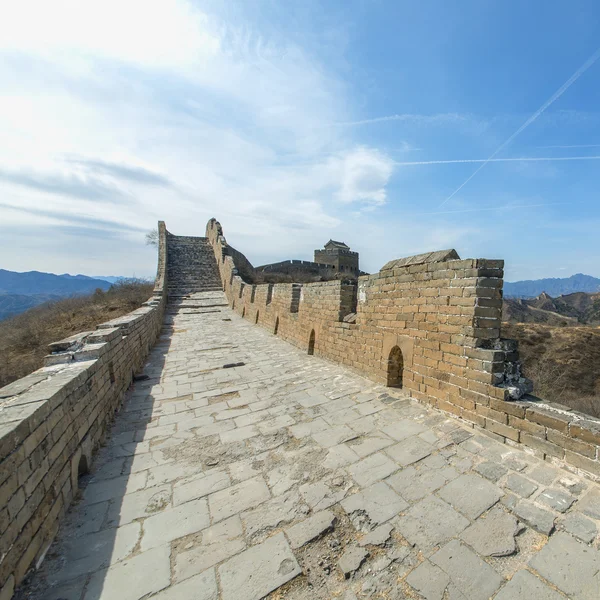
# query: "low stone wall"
[[435, 320], [53, 420]]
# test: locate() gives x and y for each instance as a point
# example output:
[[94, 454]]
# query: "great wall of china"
[[212, 482]]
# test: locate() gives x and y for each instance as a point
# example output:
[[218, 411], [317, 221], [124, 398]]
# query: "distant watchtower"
[[339, 256]]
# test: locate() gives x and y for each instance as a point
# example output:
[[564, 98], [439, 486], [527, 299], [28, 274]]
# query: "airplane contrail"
[[488, 160], [415, 118], [561, 90], [487, 208], [573, 146]]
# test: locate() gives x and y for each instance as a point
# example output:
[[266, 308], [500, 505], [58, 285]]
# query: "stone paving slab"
[[132, 579], [259, 570], [291, 477], [472, 576], [571, 566], [526, 586], [311, 528]]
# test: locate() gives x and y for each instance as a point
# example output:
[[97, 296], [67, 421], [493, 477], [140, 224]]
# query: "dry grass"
[[562, 362], [24, 338]]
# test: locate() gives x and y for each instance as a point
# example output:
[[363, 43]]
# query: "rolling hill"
[[571, 309]]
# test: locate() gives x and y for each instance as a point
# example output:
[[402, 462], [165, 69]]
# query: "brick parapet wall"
[[53, 420], [446, 317], [297, 266]]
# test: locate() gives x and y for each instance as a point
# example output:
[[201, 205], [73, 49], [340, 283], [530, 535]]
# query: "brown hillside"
[[519, 311], [24, 339], [563, 362], [571, 309]]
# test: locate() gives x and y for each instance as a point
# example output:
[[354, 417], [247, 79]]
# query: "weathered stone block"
[[542, 445], [547, 418]]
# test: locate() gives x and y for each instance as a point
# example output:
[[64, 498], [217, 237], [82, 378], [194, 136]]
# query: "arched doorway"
[[395, 366], [83, 467], [311, 343], [276, 326]]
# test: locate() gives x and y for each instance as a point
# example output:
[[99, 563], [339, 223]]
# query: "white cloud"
[[363, 174], [160, 33], [184, 116]]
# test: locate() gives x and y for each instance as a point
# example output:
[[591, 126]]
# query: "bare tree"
[[152, 238]]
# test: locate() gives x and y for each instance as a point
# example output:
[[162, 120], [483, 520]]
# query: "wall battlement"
[[330, 261], [430, 324]]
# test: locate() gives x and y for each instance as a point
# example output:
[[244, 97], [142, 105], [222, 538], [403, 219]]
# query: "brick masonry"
[[444, 314], [434, 318], [53, 420]]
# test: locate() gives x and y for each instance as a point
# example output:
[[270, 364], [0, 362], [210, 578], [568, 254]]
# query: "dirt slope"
[[563, 362]]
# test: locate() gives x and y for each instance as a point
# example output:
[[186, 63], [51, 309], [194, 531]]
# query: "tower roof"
[[334, 244]]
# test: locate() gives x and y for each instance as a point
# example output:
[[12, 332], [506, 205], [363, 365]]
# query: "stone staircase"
[[191, 266]]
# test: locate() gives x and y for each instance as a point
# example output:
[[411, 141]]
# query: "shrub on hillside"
[[24, 338], [562, 362]]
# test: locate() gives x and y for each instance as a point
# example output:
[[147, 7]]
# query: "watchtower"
[[339, 256]]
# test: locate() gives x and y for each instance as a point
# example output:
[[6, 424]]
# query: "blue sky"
[[294, 122]]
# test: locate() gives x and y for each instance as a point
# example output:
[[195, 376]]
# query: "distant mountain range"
[[552, 286], [22, 291], [109, 278], [34, 282]]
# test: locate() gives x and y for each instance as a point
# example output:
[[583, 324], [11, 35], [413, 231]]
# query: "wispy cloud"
[[192, 117], [561, 90], [171, 35], [73, 219], [123, 171], [69, 184], [225, 109], [496, 160]]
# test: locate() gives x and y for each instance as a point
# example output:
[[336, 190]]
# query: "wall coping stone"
[[419, 259]]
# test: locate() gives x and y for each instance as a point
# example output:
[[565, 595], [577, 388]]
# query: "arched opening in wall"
[[276, 326], [395, 367], [243, 312], [256, 318], [311, 343], [83, 467]]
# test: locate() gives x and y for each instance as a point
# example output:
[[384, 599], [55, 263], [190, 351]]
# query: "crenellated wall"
[[53, 420], [438, 315], [298, 267]]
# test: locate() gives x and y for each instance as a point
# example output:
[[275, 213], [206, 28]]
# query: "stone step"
[[191, 266]]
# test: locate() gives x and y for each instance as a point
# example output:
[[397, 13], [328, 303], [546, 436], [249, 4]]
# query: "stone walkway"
[[294, 477]]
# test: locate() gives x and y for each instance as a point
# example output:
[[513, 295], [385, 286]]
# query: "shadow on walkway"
[[100, 528]]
